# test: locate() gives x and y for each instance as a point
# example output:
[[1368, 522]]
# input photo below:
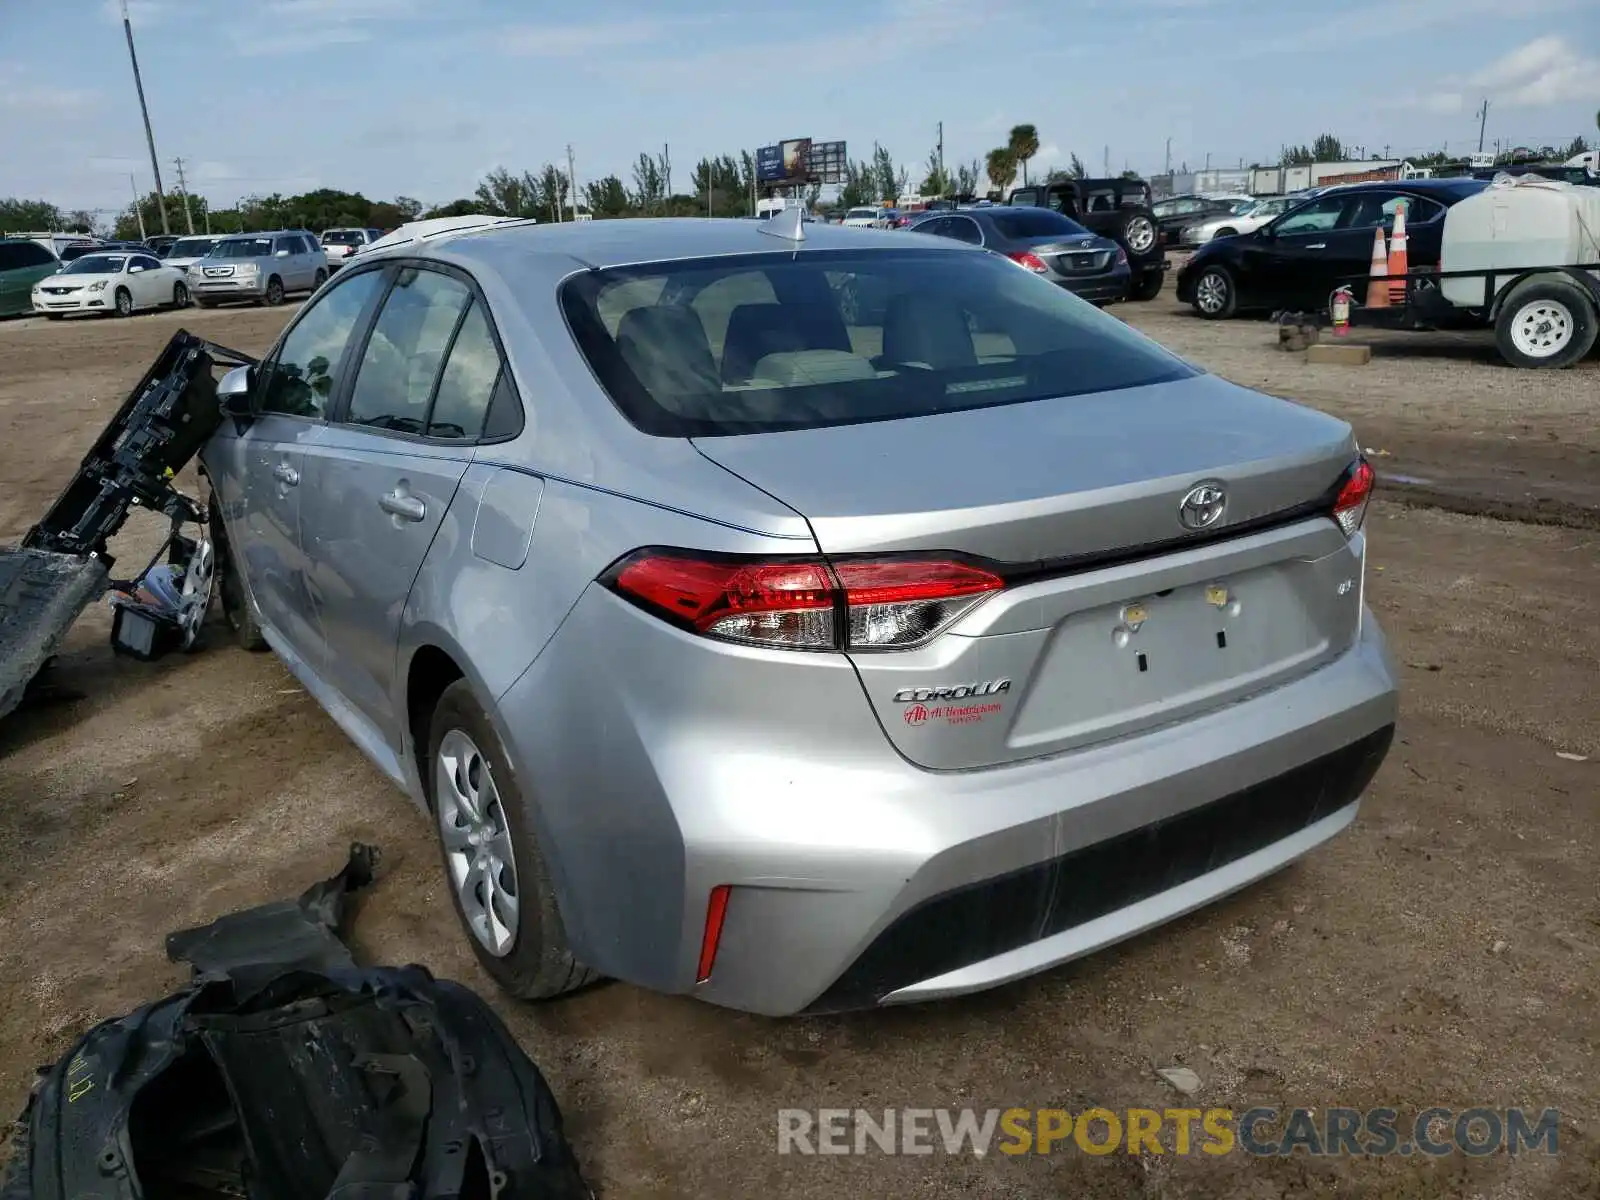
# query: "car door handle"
[[1318, 246], [286, 475], [407, 508]]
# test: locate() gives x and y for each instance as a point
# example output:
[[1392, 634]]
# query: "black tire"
[[55, 316], [123, 300], [321, 278], [1227, 295], [1139, 232], [539, 963], [274, 294], [202, 303], [180, 295], [236, 609], [1147, 286], [1546, 324]]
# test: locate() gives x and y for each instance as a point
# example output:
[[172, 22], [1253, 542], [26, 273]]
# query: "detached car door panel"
[[384, 472]]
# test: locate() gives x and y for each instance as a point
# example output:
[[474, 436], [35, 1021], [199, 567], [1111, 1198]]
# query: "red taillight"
[[805, 604], [716, 911], [1032, 261], [1350, 506], [1122, 256]]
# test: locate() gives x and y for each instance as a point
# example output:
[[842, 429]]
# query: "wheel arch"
[[1583, 281]]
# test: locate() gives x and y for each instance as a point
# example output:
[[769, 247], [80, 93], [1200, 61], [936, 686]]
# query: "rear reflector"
[[804, 604], [716, 911], [1031, 261], [1350, 506]]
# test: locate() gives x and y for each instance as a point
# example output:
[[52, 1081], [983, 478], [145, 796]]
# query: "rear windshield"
[[861, 212], [243, 248], [191, 247], [764, 342], [342, 237], [1035, 222]]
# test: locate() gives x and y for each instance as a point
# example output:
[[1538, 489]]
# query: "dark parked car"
[[75, 252], [1046, 243], [1297, 261], [1115, 208], [161, 243]]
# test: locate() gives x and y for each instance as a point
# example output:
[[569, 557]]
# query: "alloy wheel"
[[1211, 293]]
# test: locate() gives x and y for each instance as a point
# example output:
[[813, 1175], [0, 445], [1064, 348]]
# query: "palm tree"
[[1001, 167], [1023, 144]]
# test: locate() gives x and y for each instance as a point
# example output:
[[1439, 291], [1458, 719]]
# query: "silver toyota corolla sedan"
[[802, 618]]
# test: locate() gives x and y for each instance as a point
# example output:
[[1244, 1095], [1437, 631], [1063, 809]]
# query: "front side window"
[[404, 354], [1317, 217], [839, 337], [304, 375]]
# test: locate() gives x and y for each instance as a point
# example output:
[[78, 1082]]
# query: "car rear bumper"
[[1102, 289], [859, 879]]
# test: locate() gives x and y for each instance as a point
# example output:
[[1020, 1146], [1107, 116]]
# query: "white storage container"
[[1515, 223]]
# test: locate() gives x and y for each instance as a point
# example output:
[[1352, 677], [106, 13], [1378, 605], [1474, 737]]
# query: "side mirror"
[[134, 270], [233, 393], [281, 254]]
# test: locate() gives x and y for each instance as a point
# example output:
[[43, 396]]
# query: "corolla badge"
[[1203, 506]]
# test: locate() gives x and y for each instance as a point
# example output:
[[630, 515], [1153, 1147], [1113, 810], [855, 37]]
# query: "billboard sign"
[[800, 160]]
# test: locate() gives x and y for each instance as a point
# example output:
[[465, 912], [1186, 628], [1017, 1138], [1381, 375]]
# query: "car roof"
[[641, 240], [1443, 188]]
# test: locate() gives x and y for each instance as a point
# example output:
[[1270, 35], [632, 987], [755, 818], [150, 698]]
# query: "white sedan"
[[114, 282], [1245, 220]]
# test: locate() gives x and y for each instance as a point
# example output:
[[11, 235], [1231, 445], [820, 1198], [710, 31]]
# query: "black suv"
[[1115, 208]]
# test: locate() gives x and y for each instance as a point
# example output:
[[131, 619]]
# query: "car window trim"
[[339, 407], [269, 361]]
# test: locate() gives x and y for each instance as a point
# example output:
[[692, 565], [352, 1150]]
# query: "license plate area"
[[1157, 657]]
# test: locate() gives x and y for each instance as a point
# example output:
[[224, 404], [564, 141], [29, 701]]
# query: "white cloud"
[[256, 44], [1547, 70], [1444, 104], [573, 41], [24, 90], [340, 10]]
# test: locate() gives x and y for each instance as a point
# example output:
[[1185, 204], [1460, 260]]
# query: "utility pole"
[[944, 184], [1169, 157], [1208, 160], [149, 137], [666, 170], [1483, 120], [138, 211], [1107, 162], [183, 190], [572, 181]]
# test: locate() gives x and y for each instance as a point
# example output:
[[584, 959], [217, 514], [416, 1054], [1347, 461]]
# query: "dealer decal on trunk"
[[920, 712]]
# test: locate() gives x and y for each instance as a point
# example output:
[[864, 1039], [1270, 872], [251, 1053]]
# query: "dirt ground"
[[1445, 951]]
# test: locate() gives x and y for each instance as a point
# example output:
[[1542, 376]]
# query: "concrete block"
[[1344, 354]]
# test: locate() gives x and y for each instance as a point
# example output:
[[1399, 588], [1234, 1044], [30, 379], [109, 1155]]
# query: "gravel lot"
[[1445, 951]]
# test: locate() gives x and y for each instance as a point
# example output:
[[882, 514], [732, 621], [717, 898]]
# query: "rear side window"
[[467, 383], [839, 337], [31, 254], [405, 353], [11, 256]]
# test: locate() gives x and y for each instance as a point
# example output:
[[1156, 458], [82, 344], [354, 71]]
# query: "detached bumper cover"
[[284, 1070]]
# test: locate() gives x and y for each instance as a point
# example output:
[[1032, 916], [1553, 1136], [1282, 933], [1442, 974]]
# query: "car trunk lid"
[[1116, 617]]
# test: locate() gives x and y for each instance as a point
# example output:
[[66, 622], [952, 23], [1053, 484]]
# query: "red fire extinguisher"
[[1341, 311]]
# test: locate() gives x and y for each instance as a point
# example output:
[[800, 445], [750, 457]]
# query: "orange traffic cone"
[[1397, 256], [1378, 293]]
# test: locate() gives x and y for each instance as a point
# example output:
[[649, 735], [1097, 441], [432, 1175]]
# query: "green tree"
[[456, 208], [1001, 167], [1077, 170], [127, 223], [1327, 148], [937, 181], [551, 186], [607, 199], [1023, 144], [408, 208], [649, 186], [25, 216], [967, 177], [503, 194], [860, 187], [1578, 145], [883, 174]]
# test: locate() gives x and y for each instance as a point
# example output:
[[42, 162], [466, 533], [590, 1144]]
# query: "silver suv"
[[263, 267]]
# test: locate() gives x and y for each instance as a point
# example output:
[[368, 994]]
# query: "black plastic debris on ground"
[[284, 1071]]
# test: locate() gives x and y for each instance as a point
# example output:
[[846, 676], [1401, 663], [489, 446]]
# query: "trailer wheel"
[[1546, 323]]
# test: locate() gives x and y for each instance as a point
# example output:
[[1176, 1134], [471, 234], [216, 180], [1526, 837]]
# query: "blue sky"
[[421, 97]]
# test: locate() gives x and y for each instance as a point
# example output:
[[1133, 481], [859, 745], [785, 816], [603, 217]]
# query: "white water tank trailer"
[[1515, 224]]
